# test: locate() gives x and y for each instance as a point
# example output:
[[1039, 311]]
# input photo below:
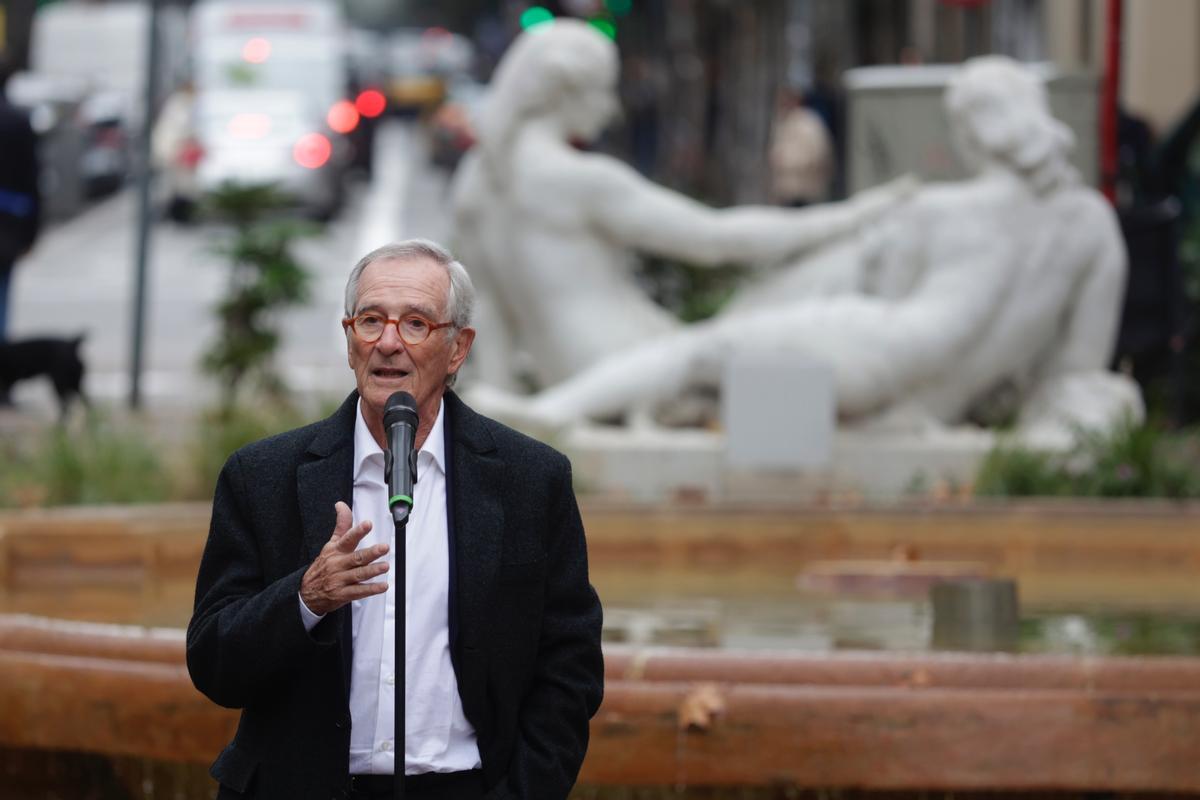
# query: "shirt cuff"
[[309, 619]]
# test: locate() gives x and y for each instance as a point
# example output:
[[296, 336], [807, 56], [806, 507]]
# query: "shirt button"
[[386, 747], [390, 680]]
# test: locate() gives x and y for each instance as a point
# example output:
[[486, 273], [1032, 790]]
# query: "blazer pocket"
[[234, 769], [526, 572]]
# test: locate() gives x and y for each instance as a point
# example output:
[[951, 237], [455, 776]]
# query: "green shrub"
[[219, 432], [265, 277], [126, 462], [102, 462], [1015, 471], [1132, 461], [691, 292]]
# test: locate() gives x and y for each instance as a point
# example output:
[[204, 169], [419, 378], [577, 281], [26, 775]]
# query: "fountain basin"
[[100, 668]]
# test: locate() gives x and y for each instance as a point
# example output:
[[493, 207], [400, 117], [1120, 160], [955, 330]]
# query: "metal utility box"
[[896, 124]]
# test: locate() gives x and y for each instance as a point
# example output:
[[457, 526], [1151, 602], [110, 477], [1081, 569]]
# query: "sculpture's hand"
[[340, 572], [872, 203]]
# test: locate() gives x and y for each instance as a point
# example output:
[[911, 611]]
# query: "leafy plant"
[[265, 277], [219, 432], [692, 293], [101, 463], [1131, 461]]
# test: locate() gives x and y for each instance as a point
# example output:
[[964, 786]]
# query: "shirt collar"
[[435, 442], [365, 445]]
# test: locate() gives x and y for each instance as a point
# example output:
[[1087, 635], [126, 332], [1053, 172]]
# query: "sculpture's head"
[[566, 70], [999, 114]]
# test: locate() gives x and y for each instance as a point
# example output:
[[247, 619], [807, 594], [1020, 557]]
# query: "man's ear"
[[462, 346], [349, 347]]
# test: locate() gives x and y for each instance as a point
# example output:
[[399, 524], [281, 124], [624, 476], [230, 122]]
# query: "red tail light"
[[342, 117], [256, 50], [370, 103], [190, 154], [312, 151]]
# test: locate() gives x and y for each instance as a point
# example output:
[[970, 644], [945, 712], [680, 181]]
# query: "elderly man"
[[293, 618]]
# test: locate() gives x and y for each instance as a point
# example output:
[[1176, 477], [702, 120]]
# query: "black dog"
[[58, 359]]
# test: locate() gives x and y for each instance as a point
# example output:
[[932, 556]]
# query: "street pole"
[[1110, 88], [143, 211]]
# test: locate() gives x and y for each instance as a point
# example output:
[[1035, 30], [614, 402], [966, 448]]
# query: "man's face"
[[396, 288]]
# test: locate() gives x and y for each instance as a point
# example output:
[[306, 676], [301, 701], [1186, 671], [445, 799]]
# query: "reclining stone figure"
[[1008, 284]]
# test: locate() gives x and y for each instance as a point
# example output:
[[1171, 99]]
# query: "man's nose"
[[390, 341]]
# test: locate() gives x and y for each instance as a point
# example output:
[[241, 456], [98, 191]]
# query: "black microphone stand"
[[400, 514], [401, 580]]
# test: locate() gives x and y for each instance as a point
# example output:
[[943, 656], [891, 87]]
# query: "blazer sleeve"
[[246, 635], [568, 682]]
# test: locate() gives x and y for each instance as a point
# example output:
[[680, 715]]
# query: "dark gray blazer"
[[524, 621]]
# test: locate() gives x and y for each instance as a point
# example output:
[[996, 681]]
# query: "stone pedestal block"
[[779, 412]]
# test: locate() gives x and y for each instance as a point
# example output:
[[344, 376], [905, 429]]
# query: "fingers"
[[344, 571], [366, 573], [348, 557], [345, 518], [357, 591], [351, 538]]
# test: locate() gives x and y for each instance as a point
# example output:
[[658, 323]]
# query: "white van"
[[269, 81], [293, 46]]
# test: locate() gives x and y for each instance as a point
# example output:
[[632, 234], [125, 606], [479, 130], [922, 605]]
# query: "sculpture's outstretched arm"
[[640, 214]]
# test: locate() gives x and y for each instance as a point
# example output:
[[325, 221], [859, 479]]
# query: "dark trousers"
[[431, 786]]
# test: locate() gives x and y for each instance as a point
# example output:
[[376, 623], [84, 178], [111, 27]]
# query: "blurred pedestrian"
[[20, 210], [801, 153]]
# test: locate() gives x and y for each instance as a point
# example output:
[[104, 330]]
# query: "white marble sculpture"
[[1005, 285], [551, 233]]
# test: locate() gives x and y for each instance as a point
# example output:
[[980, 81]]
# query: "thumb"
[[345, 518]]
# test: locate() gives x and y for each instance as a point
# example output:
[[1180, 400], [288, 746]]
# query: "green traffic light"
[[534, 16], [604, 26]]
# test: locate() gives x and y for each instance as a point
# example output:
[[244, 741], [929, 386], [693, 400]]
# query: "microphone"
[[400, 460]]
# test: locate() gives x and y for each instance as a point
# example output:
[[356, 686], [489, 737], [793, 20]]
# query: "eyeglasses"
[[413, 328]]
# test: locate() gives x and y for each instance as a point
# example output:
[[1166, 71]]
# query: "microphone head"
[[402, 408]]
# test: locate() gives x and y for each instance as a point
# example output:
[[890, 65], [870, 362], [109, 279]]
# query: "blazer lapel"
[[474, 485], [327, 477]]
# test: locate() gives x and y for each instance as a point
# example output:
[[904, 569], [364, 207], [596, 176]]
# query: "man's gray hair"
[[460, 301]]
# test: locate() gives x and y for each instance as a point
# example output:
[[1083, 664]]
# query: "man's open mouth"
[[387, 372]]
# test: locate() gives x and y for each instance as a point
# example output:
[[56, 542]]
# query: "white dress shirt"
[[438, 736]]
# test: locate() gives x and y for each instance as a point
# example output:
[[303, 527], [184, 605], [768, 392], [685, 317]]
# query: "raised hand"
[[341, 572]]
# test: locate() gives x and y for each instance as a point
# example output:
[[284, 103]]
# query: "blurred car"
[[287, 45], [250, 137], [421, 64], [92, 57], [368, 85], [298, 46]]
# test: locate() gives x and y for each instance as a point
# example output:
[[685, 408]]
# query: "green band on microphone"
[[400, 498]]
